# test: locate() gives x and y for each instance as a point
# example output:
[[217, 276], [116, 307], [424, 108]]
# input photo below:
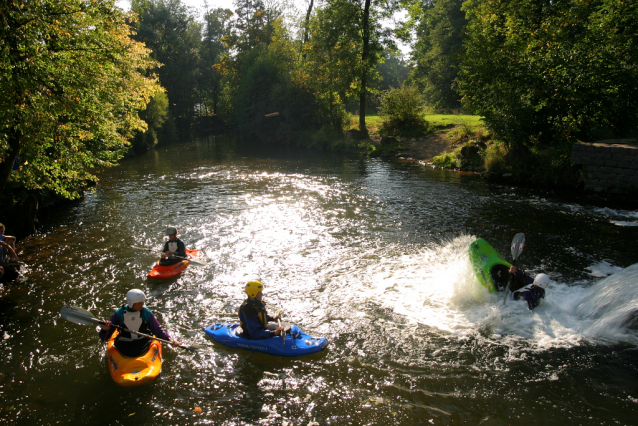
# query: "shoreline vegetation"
[[458, 142], [255, 73]]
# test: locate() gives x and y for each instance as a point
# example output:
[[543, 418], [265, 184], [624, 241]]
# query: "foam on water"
[[437, 287]]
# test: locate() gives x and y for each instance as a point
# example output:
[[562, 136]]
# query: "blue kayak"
[[297, 342]]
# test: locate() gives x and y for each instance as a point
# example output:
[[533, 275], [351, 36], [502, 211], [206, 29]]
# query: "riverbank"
[[572, 185]]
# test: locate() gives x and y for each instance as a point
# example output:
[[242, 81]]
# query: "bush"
[[402, 112], [496, 158]]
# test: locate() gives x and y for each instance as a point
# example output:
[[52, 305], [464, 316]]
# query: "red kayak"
[[160, 272]]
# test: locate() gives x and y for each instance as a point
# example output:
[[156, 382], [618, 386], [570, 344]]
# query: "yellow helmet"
[[253, 288]]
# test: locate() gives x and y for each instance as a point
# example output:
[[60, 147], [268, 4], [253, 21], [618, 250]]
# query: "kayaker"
[[253, 317], [174, 249], [135, 317], [11, 240], [8, 272], [533, 290]]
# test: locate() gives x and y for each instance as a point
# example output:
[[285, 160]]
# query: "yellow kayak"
[[127, 371]]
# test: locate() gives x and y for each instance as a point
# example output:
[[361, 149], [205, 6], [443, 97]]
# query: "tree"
[[439, 45], [171, 32], [543, 72], [217, 35], [71, 83], [332, 57], [342, 52], [402, 111], [154, 116], [271, 103]]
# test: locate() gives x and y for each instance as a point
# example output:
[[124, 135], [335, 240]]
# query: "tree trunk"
[[306, 33], [364, 68]]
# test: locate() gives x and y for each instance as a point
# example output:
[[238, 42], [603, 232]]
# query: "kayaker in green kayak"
[[528, 289], [253, 318]]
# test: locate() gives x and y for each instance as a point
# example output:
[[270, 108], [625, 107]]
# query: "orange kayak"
[[127, 371], [160, 272]]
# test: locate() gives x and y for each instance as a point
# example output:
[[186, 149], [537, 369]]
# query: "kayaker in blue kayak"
[[253, 318], [134, 316], [532, 290], [174, 249]]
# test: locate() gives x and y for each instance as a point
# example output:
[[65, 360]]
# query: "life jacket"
[[532, 294], [172, 246], [253, 308], [135, 321]]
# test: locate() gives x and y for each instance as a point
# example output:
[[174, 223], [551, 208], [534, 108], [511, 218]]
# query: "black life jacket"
[[253, 308]]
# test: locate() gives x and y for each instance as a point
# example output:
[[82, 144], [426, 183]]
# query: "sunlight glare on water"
[[370, 254]]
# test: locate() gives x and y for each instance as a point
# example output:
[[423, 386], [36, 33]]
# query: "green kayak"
[[491, 269]]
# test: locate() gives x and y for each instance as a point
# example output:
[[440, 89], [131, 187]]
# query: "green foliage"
[[214, 48], [467, 157], [71, 83], [543, 73], [439, 45], [447, 160], [332, 56], [173, 35], [402, 111], [271, 102], [468, 130], [495, 158], [154, 116]]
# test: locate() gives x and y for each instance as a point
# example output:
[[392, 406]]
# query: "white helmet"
[[541, 280], [134, 296]]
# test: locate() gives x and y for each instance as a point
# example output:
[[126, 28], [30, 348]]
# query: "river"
[[368, 253]]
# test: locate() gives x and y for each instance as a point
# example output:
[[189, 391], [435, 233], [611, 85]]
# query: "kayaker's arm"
[[181, 249], [12, 253], [158, 331], [255, 330], [106, 331], [521, 276]]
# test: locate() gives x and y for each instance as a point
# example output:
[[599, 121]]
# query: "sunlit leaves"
[[72, 81], [552, 71]]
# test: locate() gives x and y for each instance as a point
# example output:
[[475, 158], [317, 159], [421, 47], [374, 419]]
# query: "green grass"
[[437, 120], [453, 119]]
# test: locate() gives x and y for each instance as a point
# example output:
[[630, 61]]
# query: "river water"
[[368, 253]]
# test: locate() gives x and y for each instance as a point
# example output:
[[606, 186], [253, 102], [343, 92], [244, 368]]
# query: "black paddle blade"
[[78, 315]]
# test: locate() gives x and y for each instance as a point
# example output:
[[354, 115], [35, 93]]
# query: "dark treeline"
[[83, 83]]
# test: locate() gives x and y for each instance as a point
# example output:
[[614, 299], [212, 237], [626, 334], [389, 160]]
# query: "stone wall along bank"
[[608, 166]]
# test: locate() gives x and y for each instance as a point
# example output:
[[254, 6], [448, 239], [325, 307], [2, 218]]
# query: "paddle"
[[84, 317], [518, 243], [193, 261]]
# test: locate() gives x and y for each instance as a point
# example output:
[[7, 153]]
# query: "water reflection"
[[370, 254]]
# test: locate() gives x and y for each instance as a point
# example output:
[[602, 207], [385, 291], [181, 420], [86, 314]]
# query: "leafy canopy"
[[71, 83]]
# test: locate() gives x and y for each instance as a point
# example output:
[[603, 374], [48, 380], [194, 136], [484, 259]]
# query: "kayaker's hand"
[[278, 317], [513, 269], [278, 331], [174, 343], [106, 326]]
